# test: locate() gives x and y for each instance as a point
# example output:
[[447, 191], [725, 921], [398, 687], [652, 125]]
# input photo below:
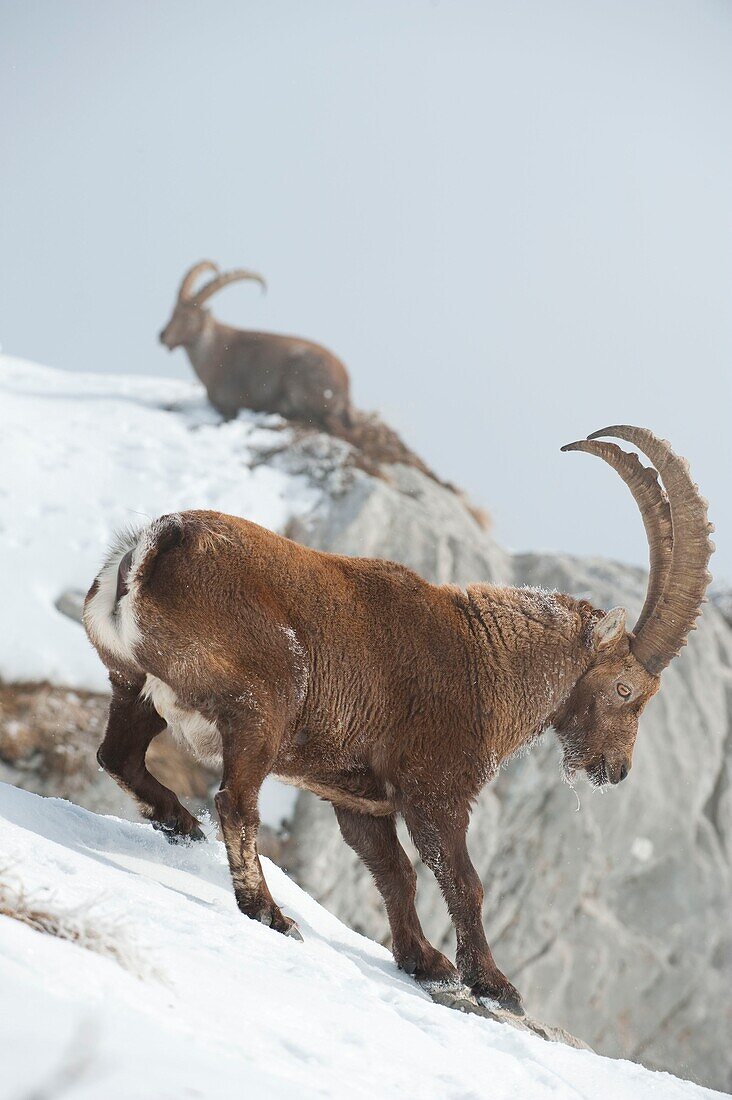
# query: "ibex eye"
[[623, 690]]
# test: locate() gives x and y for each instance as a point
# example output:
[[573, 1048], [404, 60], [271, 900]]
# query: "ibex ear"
[[610, 629]]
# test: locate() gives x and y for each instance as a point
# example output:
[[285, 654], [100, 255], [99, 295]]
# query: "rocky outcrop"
[[408, 518], [464, 1001], [610, 910]]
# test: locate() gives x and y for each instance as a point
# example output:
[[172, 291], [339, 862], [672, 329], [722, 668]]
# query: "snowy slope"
[[81, 456], [206, 1003]]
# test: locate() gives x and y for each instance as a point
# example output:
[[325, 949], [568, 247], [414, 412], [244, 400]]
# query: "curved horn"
[[664, 632], [654, 509], [223, 280], [191, 275]]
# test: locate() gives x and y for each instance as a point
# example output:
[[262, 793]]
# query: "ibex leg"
[[247, 762], [442, 845], [132, 724], [375, 840]]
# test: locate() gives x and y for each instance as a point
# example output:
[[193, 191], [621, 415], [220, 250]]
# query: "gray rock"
[[610, 911], [463, 1001], [71, 603], [720, 593], [407, 518]]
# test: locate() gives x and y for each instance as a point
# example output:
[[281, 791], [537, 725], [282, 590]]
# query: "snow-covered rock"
[[148, 982]]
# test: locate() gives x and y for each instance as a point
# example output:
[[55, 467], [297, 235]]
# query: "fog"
[[512, 220]]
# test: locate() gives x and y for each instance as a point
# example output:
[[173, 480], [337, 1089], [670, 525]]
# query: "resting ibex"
[[255, 370], [385, 695]]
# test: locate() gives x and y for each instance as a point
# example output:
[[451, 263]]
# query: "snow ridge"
[[229, 1008]]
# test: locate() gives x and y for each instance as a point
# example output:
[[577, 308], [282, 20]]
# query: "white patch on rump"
[[109, 626], [110, 623], [189, 727]]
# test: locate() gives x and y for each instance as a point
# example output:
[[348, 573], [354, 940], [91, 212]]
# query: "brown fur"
[[262, 371], [358, 680]]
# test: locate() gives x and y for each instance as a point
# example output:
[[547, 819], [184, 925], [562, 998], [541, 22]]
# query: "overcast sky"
[[511, 219]]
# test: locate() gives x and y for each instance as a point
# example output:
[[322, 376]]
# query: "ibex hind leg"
[[131, 726], [249, 750]]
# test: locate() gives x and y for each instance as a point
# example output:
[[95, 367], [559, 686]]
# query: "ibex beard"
[[380, 692]]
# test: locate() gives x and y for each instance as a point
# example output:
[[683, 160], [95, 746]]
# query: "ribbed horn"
[[190, 277], [223, 280], [663, 634], [654, 509]]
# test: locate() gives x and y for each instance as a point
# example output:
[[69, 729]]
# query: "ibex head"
[[597, 724], [188, 316]]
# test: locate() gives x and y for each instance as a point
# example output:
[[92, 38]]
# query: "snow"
[[83, 455], [206, 1003]]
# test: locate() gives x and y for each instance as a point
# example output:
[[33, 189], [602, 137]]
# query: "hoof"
[[453, 994], [272, 917], [174, 834], [286, 925], [429, 968]]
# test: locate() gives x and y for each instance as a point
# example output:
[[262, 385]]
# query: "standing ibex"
[[384, 694], [255, 370]]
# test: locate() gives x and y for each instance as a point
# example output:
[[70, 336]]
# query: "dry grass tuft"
[[85, 927]]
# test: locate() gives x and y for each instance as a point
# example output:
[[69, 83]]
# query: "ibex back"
[[383, 694], [262, 371]]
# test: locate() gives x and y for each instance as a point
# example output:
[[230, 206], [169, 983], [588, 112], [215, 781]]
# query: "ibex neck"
[[531, 648], [203, 352]]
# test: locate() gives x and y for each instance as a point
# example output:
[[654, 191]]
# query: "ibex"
[[385, 695], [255, 370]]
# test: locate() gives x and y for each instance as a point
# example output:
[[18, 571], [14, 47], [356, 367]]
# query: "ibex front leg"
[[375, 840], [440, 840], [247, 762]]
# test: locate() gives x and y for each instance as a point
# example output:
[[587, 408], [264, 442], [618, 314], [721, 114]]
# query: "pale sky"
[[511, 219]]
